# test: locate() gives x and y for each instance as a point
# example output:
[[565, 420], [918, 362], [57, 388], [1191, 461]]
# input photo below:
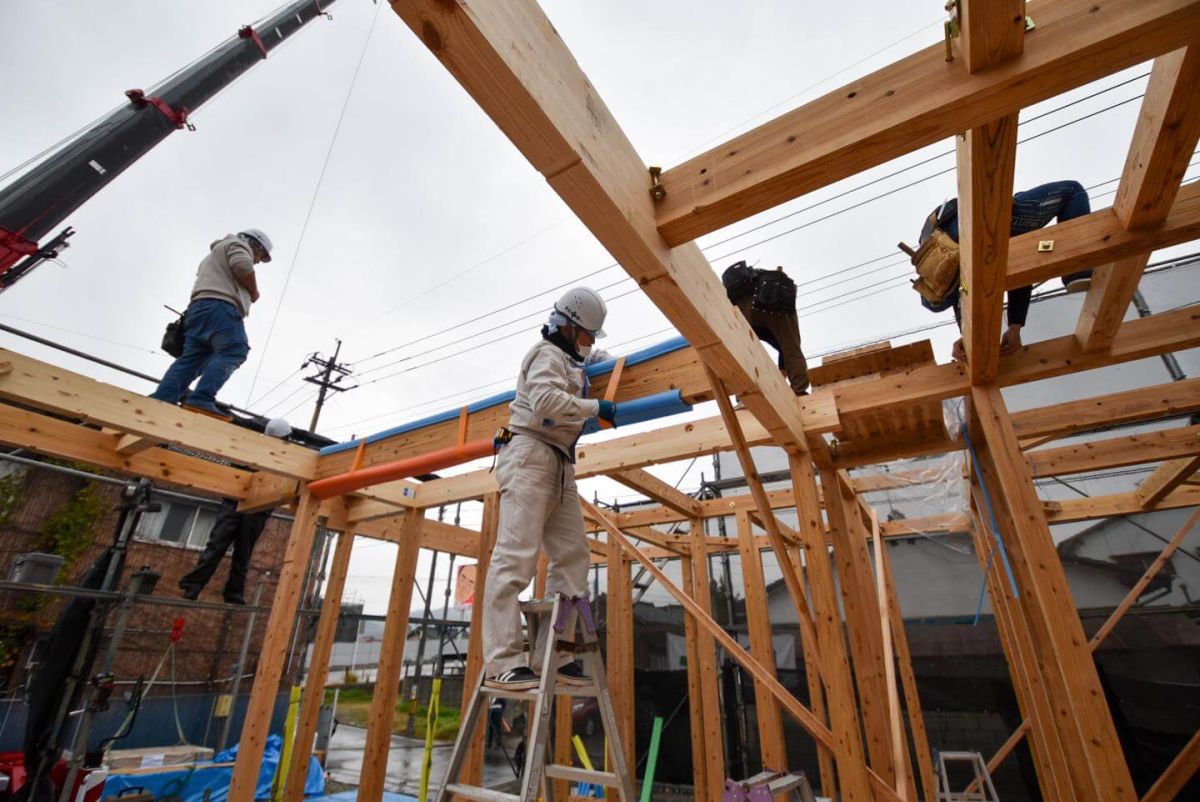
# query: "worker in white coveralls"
[[539, 504]]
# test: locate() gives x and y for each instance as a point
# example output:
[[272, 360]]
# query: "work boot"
[[520, 678], [191, 595], [572, 674], [235, 599]]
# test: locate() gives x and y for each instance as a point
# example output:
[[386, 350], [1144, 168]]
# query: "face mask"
[[583, 350]]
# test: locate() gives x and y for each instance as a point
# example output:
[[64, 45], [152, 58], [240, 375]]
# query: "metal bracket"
[[247, 32], [177, 117], [1045, 246], [657, 190]]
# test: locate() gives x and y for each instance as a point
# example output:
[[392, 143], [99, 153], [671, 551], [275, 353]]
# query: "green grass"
[[354, 705]]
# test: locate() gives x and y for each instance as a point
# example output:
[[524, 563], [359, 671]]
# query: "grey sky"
[[421, 187]]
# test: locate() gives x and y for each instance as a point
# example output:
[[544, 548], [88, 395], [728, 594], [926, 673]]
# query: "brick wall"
[[211, 638]]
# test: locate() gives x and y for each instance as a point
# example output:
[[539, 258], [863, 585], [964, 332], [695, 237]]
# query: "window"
[[182, 524]]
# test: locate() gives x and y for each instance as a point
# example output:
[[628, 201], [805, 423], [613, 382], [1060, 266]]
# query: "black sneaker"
[[520, 678], [235, 599], [572, 674]]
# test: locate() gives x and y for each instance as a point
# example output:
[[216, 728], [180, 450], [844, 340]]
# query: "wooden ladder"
[[573, 631]]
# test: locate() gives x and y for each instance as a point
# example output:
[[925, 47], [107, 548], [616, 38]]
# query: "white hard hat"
[[261, 237], [278, 427], [585, 308]]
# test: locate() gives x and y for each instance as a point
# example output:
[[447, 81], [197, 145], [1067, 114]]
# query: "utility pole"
[[326, 379]]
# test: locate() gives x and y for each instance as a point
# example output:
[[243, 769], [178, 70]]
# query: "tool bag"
[[774, 292], [936, 260], [173, 337], [739, 280]]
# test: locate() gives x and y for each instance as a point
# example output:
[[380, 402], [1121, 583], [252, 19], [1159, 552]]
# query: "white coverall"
[[539, 504]]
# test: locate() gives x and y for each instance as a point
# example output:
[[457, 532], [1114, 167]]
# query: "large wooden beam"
[[472, 768], [987, 156], [511, 61], [1086, 509], [1089, 736], [273, 652], [910, 104], [1116, 452], [656, 489], [1166, 477], [1182, 768], [619, 648], [992, 32], [61, 391], [707, 699]]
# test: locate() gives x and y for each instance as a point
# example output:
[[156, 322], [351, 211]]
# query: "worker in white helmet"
[[239, 530], [215, 342], [539, 503]]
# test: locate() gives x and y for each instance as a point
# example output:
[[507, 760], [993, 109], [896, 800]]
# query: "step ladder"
[[573, 631], [983, 791], [769, 785]]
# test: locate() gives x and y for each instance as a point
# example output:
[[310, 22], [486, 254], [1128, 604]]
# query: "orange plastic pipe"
[[400, 469]]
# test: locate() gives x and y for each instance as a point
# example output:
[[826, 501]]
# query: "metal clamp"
[[248, 32], [178, 117]]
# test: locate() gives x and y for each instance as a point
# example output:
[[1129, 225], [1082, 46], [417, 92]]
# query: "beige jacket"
[[550, 403], [216, 277]]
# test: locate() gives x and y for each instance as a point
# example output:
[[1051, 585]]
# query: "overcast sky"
[[427, 219]]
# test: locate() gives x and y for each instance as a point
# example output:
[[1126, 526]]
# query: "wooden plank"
[[382, 712], [709, 701], [265, 491], [619, 652], [772, 748], [1127, 406], [656, 489], [435, 535], [129, 444], [1098, 239], [875, 358], [909, 104], [472, 768], [695, 696], [274, 651], [1182, 768], [992, 32], [1085, 509], [905, 785], [1166, 477], [1116, 452], [1089, 737], [512, 62], [987, 156], [45, 386], [1108, 300], [318, 668]]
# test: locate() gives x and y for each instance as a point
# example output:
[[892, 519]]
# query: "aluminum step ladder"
[[769, 785], [982, 788], [573, 631]]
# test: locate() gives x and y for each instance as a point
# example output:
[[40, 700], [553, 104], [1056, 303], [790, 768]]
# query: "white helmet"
[[277, 427], [585, 308], [259, 236]]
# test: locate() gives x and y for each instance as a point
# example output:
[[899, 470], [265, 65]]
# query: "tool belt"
[[502, 437], [173, 337], [936, 262]]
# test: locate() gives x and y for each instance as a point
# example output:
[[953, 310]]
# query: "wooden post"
[[706, 668], [1185, 764], [273, 653], [382, 713], [695, 697], [904, 786], [1085, 722], [619, 651], [839, 687], [318, 670], [770, 722], [472, 768]]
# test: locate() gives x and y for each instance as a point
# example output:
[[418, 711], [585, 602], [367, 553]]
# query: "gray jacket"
[[216, 277], [550, 403]]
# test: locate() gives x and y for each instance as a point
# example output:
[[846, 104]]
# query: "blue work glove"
[[608, 411]]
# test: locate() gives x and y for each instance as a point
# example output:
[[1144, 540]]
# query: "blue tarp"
[[598, 369], [352, 796], [190, 784]]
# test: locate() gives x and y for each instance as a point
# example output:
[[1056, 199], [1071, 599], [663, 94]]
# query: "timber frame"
[[870, 406]]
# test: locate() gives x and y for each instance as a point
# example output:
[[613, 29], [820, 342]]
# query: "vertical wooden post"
[[706, 670], [1085, 722], [905, 785], [382, 713], [620, 647], [472, 768], [318, 670], [274, 650], [695, 697], [1176, 775], [770, 720], [839, 687], [858, 596]]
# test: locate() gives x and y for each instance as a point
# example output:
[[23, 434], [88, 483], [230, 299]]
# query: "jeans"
[[214, 346], [1035, 208], [240, 530], [781, 332]]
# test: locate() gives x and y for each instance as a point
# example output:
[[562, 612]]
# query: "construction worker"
[[232, 528], [215, 343], [539, 503], [767, 299], [1031, 210]]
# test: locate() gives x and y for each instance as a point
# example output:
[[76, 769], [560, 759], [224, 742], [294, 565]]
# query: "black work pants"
[[781, 332], [239, 530]]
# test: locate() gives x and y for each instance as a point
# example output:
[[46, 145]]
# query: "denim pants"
[[236, 529], [214, 346], [1035, 208]]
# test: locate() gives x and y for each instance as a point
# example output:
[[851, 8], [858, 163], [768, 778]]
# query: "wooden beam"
[[472, 767], [129, 444], [992, 32], [619, 651], [435, 535], [772, 749], [1089, 737], [1127, 406], [707, 699], [1116, 452], [1166, 477], [656, 489], [912, 103], [318, 668], [511, 61], [46, 386], [273, 652], [987, 156], [1182, 768], [1084, 509]]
